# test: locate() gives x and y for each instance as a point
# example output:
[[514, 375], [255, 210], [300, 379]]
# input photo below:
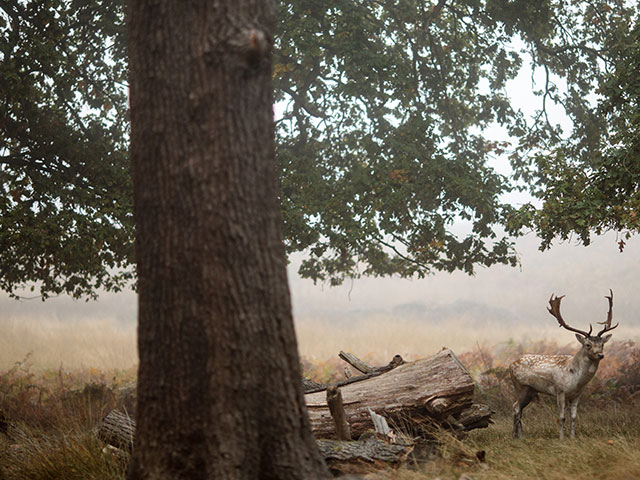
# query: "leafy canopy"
[[380, 142], [588, 181], [65, 202], [381, 107]]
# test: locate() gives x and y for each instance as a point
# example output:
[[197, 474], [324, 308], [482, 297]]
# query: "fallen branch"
[[312, 387]]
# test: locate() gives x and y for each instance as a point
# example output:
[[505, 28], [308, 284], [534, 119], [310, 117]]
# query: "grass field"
[[56, 405], [607, 446]]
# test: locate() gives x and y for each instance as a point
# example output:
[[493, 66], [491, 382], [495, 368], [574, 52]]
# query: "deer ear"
[[606, 338], [580, 338]]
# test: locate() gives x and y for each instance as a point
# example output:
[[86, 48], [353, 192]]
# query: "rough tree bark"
[[211, 264]]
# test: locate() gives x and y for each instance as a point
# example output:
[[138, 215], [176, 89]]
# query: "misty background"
[[372, 317]]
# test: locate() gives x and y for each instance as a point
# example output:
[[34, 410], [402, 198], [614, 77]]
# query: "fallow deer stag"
[[564, 376]]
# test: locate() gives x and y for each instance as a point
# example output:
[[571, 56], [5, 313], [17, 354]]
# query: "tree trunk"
[[211, 264]]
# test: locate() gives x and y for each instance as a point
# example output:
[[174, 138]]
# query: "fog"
[[374, 316], [499, 303]]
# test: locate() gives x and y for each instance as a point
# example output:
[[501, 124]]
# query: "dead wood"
[[334, 401], [365, 368], [363, 455], [355, 362], [312, 387], [436, 388], [117, 429], [476, 416]]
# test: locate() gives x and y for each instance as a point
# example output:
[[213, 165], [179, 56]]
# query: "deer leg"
[[573, 405], [517, 420], [561, 408], [524, 398]]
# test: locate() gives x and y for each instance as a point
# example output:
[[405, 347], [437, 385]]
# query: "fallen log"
[[476, 416], [117, 430], [364, 455], [436, 388]]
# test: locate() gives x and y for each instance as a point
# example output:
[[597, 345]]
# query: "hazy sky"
[[414, 317], [584, 274]]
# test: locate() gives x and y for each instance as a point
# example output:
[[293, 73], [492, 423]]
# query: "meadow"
[[57, 381]]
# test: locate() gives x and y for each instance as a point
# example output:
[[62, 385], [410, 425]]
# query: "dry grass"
[[47, 419], [70, 345], [607, 447], [59, 454], [377, 338], [58, 407]]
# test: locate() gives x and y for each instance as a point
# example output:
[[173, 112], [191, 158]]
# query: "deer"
[[562, 376]]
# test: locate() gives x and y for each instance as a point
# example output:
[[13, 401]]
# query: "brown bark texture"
[[336, 408], [438, 388], [117, 429], [211, 264], [366, 455]]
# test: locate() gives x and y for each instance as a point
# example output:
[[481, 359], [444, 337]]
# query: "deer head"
[[592, 345]]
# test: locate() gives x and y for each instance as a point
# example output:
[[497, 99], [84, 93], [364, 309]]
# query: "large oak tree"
[[219, 391]]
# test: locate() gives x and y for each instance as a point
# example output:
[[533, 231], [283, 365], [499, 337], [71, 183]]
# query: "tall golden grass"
[[378, 338], [70, 345], [106, 344]]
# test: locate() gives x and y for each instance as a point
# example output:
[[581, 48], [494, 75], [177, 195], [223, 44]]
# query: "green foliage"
[[380, 141], [65, 202], [589, 181], [381, 108]]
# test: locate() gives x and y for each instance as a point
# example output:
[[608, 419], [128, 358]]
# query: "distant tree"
[[219, 390], [589, 181], [381, 140], [65, 200]]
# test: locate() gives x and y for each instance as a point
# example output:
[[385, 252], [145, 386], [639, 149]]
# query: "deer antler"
[[555, 311], [607, 323]]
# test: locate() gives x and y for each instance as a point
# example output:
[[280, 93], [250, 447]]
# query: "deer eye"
[[587, 346]]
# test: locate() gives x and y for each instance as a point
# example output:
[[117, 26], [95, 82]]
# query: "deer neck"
[[583, 366]]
